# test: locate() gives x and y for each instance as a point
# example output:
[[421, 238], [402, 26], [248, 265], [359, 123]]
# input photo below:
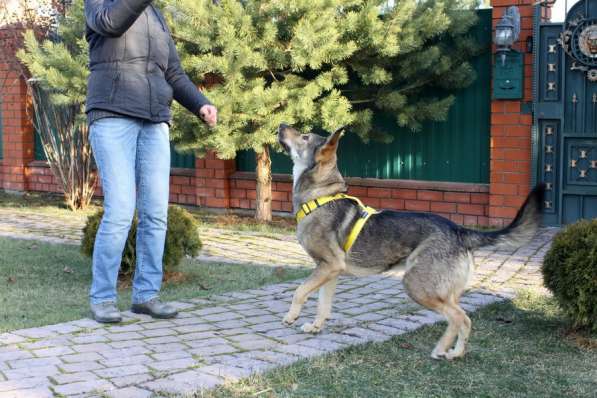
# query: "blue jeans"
[[133, 158]]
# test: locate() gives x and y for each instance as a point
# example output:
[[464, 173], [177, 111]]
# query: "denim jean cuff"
[[143, 300]]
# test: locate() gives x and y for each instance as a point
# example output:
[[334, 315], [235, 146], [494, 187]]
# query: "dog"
[[434, 253]]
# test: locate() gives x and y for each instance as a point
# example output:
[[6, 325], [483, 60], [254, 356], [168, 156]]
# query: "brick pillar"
[[17, 131], [212, 181], [511, 122]]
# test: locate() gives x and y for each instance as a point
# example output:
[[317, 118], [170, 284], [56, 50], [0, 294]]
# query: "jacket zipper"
[[155, 12], [147, 62]]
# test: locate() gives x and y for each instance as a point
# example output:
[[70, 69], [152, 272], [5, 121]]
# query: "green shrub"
[[182, 238], [570, 272]]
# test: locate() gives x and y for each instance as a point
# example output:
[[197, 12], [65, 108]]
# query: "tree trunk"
[[263, 210]]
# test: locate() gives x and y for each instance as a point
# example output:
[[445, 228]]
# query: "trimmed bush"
[[182, 238], [570, 272]]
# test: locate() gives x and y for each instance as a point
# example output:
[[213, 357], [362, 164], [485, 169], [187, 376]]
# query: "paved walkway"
[[229, 336]]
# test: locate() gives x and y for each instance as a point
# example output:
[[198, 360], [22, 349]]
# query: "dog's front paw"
[[453, 354], [289, 319], [436, 354], [311, 328]]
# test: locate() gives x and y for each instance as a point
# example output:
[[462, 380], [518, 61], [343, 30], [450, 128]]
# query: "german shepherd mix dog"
[[434, 253]]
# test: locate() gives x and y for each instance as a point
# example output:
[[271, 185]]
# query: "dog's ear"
[[328, 150]]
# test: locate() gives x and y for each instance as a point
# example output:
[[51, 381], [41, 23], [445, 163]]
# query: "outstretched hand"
[[209, 114]]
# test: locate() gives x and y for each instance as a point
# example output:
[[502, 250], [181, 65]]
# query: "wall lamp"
[[508, 73]]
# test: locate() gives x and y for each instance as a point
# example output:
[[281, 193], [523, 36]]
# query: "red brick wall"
[[462, 203], [510, 146]]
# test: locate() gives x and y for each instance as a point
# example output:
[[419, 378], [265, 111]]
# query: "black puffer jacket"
[[135, 70]]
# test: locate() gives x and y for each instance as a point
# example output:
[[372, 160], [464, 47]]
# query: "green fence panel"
[[176, 159], [455, 150], [182, 160]]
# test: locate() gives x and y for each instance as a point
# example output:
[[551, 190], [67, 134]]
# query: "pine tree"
[[316, 64]]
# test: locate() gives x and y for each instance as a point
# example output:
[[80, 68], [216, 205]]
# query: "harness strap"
[[365, 212]]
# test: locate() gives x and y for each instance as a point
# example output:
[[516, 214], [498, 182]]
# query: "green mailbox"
[[508, 75]]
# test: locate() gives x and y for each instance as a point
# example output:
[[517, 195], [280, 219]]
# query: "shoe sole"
[[153, 315], [106, 320]]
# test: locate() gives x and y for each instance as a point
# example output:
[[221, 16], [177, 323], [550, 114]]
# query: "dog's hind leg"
[[324, 307], [464, 332], [435, 277]]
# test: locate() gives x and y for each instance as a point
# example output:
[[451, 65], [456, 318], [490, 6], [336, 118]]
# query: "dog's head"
[[314, 159], [308, 150]]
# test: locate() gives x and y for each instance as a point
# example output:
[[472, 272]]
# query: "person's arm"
[[113, 19], [185, 92]]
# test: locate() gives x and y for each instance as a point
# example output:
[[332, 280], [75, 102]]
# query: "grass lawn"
[[517, 349], [43, 284]]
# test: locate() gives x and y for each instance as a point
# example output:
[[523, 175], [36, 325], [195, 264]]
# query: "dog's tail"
[[520, 231]]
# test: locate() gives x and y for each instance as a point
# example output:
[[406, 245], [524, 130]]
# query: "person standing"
[[135, 73]]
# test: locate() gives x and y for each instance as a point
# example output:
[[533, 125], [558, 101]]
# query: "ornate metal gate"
[[565, 109]]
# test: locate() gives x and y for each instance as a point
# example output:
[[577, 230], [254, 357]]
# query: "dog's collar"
[[365, 212]]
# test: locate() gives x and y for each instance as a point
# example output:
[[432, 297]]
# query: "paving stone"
[[225, 372], [321, 344], [53, 351], [124, 336], [266, 327], [223, 316], [277, 358], [64, 328], [127, 344], [159, 325], [135, 327], [300, 351], [366, 333], [113, 353], [83, 387], [174, 364], [9, 338], [121, 371], [169, 347], [195, 328], [14, 354], [166, 356], [58, 341], [80, 367], [206, 342], [131, 380], [67, 378], [129, 392], [387, 330], [161, 340], [158, 332], [39, 392], [213, 350], [231, 324], [34, 333], [31, 382], [84, 357], [399, 323], [210, 310], [33, 362], [24, 373], [125, 360], [89, 338], [183, 383]]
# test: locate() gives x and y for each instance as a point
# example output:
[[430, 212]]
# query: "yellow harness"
[[365, 213]]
